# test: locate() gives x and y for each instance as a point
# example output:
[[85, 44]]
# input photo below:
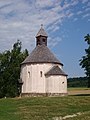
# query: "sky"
[[65, 21]]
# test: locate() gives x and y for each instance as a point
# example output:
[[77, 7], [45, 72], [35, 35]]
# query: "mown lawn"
[[46, 108]]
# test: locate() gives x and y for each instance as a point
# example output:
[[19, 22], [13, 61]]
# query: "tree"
[[10, 70], [85, 61]]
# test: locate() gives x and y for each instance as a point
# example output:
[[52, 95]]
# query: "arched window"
[[29, 74], [44, 40], [40, 73]]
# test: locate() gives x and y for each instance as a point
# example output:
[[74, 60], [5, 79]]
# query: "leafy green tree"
[[10, 70], [85, 61]]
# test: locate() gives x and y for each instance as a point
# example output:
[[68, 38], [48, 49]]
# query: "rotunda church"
[[41, 72]]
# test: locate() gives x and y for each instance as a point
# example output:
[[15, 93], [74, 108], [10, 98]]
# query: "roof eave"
[[41, 35], [40, 63], [56, 74]]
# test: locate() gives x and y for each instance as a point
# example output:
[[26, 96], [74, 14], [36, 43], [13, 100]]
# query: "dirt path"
[[78, 92]]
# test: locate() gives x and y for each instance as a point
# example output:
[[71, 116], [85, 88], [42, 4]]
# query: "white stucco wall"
[[33, 82], [23, 76], [31, 77], [56, 84]]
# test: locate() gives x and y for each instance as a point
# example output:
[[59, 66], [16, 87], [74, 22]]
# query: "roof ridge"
[[56, 70]]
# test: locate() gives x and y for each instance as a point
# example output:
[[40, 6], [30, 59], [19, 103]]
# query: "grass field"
[[46, 108]]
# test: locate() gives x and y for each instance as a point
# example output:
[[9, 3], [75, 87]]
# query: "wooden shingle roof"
[[41, 54], [41, 32], [55, 70]]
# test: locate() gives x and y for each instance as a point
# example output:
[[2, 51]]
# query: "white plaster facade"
[[56, 84], [35, 81]]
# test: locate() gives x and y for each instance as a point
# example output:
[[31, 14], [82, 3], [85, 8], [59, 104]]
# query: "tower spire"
[[41, 32], [41, 37], [41, 25]]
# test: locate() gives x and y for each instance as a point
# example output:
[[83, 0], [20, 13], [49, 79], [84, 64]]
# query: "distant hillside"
[[77, 82]]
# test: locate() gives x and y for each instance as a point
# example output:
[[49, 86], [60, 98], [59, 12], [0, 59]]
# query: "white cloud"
[[84, 1], [70, 15], [46, 3], [88, 4], [79, 12], [21, 19], [75, 19], [53, 41], [87, 9], [86, 15]]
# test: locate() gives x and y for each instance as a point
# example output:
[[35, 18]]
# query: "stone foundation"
[[43, 94]]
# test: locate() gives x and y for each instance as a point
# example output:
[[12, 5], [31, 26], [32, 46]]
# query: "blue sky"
[[65, 21]]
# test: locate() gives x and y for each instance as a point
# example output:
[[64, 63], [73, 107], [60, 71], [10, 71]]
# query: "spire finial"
[[41, 25], [41, 32]]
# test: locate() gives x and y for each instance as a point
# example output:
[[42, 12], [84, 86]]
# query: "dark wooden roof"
[[41, 54], [41, 33], [55, 70]]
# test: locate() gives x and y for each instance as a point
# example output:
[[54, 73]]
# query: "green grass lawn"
[[45, 108]]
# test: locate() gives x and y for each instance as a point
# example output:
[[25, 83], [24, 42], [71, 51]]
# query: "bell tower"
[[41, 37]]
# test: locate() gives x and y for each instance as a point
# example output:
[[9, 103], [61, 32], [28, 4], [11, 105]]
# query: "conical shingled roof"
[[41, 32], [55, 70], [41, 54]]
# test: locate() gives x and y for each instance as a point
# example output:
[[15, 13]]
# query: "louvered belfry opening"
[[41, 37], [41, 40]]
